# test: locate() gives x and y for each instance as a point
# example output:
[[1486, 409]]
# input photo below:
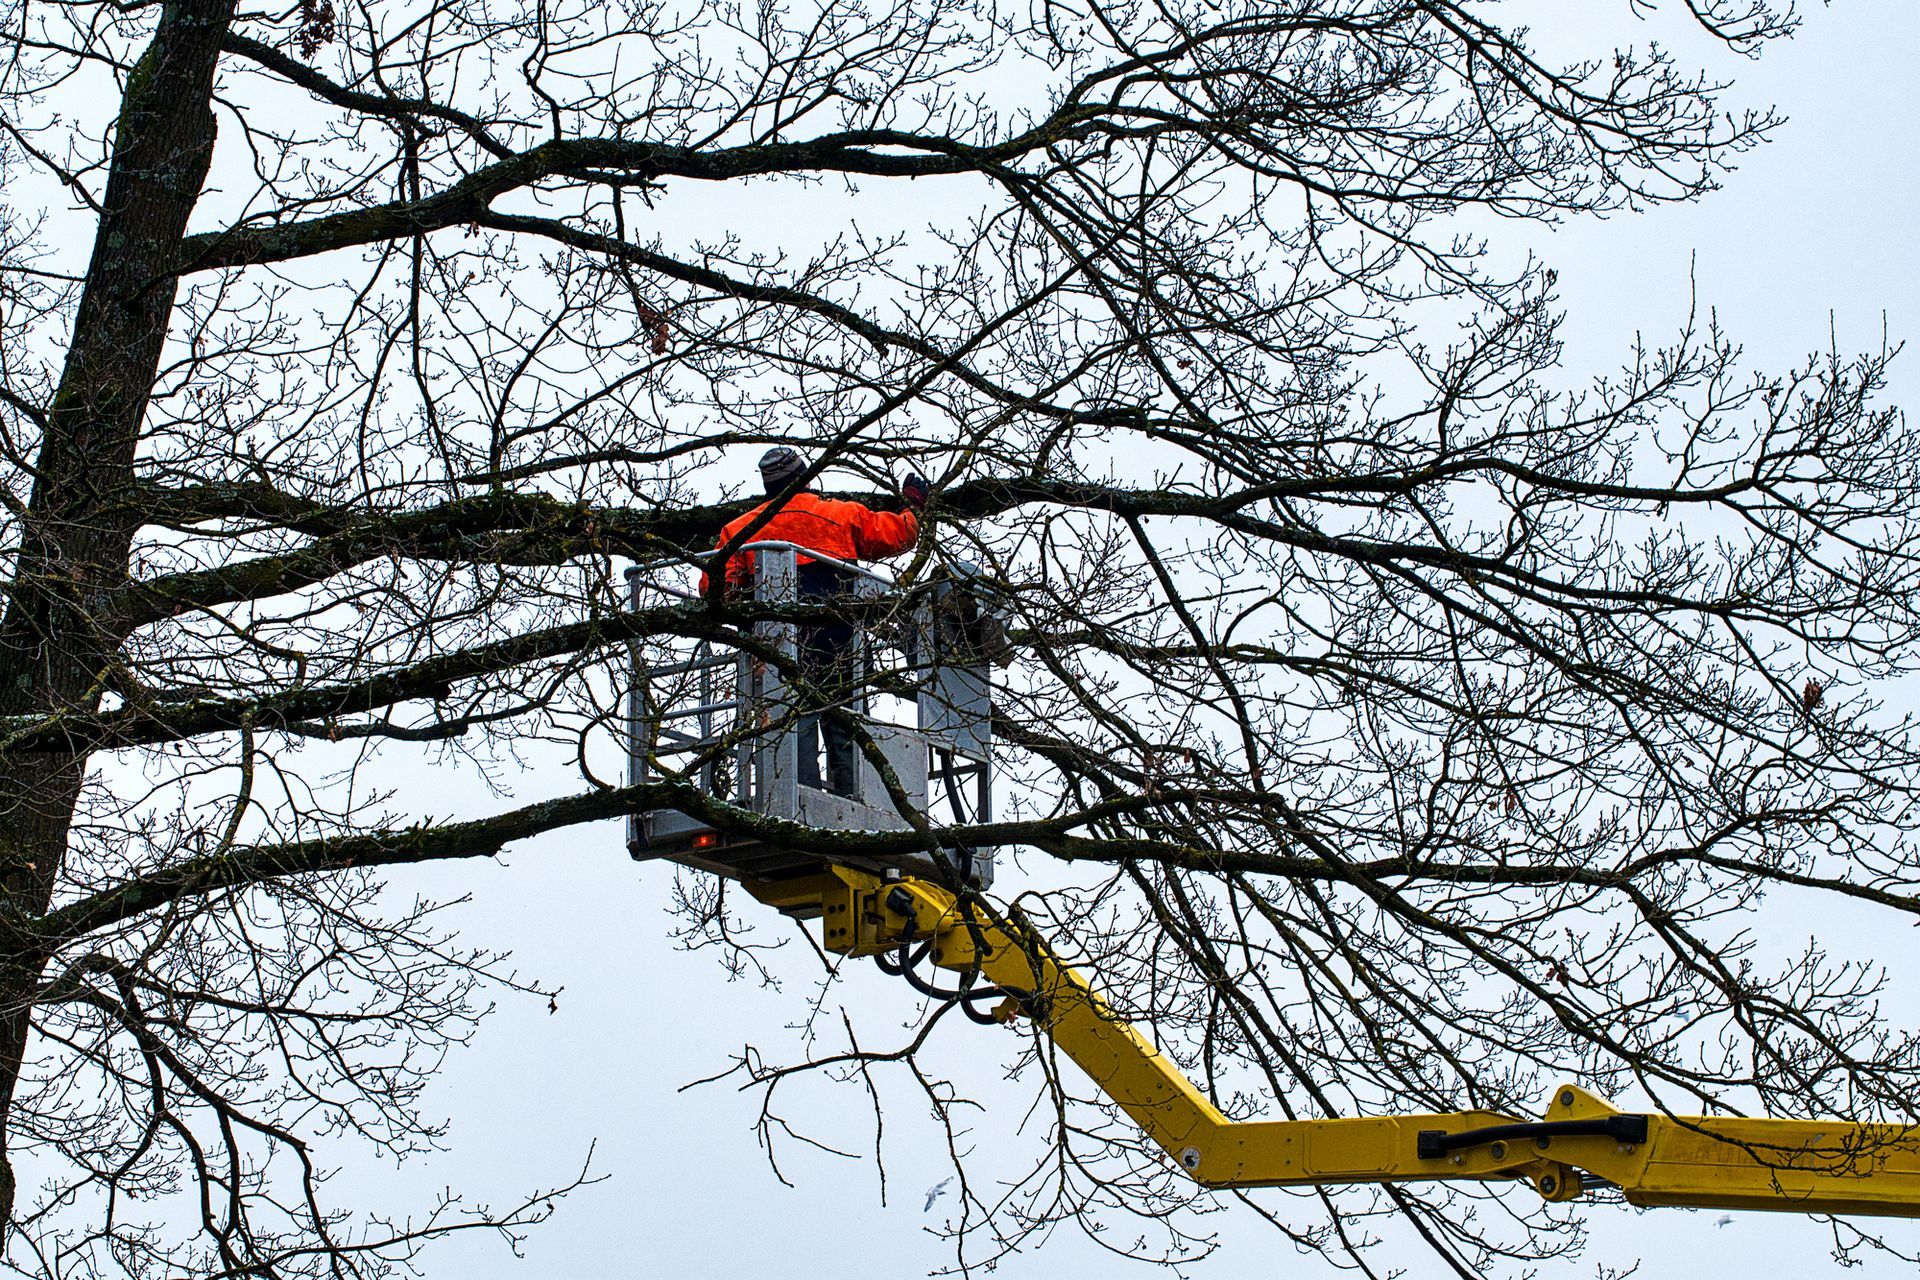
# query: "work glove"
[[913, 490]]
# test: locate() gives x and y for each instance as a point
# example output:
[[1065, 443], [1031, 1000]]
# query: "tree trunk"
[[57, 637]]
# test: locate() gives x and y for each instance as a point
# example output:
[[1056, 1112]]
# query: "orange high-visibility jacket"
[[843, 530]]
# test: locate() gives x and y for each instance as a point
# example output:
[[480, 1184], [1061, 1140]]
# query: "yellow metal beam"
[[1734, 1162], [1804, 1166]]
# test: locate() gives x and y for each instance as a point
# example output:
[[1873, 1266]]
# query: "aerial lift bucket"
[[728, 721]]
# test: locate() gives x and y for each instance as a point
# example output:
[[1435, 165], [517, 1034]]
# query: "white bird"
[[934, 1193], [1720, 1221]]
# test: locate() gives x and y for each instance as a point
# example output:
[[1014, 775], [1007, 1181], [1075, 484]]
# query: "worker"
[[846, 531]]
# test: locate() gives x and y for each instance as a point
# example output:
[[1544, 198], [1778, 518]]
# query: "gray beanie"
[[780, 467]]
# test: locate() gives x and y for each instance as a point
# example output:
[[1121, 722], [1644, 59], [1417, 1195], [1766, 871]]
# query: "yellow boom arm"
[[1805, 1166]]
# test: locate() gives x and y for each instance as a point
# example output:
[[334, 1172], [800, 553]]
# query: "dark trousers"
[[829, 667]]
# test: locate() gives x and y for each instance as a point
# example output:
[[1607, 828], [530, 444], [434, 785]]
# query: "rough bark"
[[80, 520]]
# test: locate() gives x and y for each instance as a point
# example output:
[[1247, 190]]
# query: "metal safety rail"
[[729, 721]]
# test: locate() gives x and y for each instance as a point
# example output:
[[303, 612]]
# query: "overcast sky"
[[1815, 230]]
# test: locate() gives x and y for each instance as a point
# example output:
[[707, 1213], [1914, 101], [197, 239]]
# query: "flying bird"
[[1720, 1221], [934, 1193]]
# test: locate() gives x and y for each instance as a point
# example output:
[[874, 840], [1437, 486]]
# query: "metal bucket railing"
[[728, 721]]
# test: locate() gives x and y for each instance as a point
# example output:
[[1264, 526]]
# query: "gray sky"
[[1815, 230]]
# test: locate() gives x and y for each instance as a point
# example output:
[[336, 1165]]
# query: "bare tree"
[[1422, 731]]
